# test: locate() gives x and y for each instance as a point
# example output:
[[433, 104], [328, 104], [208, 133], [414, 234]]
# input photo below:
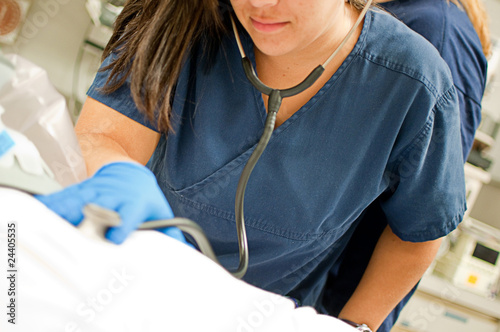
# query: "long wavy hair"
[[150, 41]]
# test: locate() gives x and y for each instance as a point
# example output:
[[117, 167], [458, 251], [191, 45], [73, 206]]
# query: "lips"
[[263, 26]]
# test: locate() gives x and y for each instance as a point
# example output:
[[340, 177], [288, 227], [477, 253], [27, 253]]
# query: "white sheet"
[[69, 282]]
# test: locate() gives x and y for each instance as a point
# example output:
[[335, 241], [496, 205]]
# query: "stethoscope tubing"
[[274, 102]]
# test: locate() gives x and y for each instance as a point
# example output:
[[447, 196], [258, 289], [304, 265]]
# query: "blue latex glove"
[[125, 187]]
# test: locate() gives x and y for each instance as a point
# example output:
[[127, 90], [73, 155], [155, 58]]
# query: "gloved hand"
[[125, 187]]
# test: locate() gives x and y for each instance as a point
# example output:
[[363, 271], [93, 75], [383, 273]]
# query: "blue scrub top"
[[385, 126]]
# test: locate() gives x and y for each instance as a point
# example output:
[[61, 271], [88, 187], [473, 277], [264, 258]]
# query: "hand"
[[125, 187]]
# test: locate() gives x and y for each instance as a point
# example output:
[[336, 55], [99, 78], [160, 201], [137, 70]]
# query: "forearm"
[[394, 269]]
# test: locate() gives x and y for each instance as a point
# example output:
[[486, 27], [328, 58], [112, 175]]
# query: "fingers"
[[131, 219], [127, 188], [67, 203]]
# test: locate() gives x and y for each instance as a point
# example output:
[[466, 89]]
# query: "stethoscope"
[[102, 219], [274, 103]]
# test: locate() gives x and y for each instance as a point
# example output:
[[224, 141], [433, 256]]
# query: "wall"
[[487, 208], [51, 37], [491, 102]]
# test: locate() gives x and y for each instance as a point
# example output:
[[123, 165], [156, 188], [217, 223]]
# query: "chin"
[[272, 49]]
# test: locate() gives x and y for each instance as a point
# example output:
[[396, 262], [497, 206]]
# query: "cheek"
[[238, 7], [238, 4]]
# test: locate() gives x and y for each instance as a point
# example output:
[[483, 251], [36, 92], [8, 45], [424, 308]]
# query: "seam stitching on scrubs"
[[443, 30], [410, 72], [467, 96], [442, 231], [423, 131], [217, 174], [256, 224], [414, 142]]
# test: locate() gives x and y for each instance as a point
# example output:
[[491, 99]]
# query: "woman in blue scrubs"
[[381, 124]]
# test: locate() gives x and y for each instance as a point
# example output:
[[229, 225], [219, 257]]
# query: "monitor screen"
[[486, 254]]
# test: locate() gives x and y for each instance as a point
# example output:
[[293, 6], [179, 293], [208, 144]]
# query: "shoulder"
[[436, 20], [426, 17], [450, 30], [390, 44]]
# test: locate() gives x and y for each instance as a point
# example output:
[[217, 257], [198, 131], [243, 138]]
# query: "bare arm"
[[394, 269], [106, 135]]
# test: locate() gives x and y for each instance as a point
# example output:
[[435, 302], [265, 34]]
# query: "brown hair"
[[477, 14], [150, 41]]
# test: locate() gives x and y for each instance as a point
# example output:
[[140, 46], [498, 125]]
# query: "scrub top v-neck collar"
[[261, 109]]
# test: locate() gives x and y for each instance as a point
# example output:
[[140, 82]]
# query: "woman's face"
[[285, 27]]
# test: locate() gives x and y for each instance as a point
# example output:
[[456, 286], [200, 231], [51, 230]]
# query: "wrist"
[[360, 327], [123, 165]]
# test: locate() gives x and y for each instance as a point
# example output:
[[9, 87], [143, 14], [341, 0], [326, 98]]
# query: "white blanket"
[[68, 282]]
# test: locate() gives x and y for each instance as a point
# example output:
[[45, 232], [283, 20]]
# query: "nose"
[[263, 3]]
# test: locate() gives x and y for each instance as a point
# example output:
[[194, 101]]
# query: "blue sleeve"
[[120, 100], [426, 199]]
